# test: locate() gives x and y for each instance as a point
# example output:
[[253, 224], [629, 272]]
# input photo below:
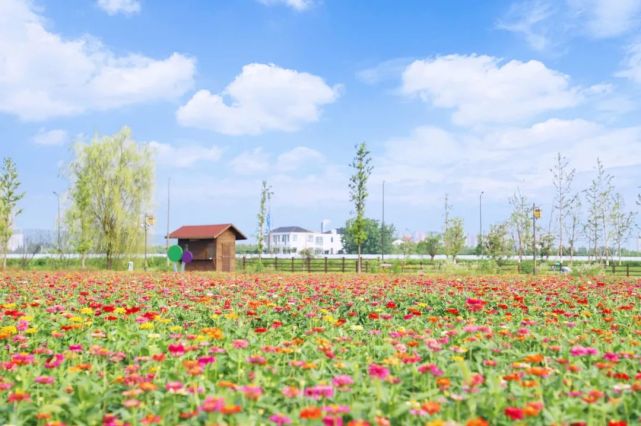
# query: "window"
[[310, 238], [319, 241], [294, 237]]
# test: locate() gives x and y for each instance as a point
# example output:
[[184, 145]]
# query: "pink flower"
[[252, 392], [290, 392], [176, 349], [173, 386], [611, 356], [22, 359], [583, 351], [430, 368], [332, 421], [75, 348], [342, 381], [257, 359], [44, 380], [22, 325], [280, 419], [319, 391], [240, 344], [378, 371], [54, 361], [204, 360], [211, 404]]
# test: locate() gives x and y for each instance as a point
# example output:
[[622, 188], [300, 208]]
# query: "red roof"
[[201, 232]]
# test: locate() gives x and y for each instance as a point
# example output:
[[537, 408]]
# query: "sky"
[[452, 97]]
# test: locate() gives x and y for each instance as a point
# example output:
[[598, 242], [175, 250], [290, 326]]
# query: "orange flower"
[[311, 413], [535, 358], [477, 422], [431, 407], [443, 383], [231, 409]]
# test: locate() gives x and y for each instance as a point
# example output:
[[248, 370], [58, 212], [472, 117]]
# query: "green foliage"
[[372, 244], [9, 197], [265, 195], [497, 244], [454, 238], [358, 195], [431, 245], [112, 183]]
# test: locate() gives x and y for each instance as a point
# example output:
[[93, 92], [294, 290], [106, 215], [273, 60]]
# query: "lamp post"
[[148, 221], [536, 214], [481, 223], [59, 243], [383, 227]]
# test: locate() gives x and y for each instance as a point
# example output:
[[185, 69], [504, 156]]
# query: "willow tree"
[[9, 198], [112, 183], [358, 195]]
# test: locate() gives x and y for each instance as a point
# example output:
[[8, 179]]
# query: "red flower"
[[514, 413]]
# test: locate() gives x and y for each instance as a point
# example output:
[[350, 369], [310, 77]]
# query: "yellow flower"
[[31, 330], [9, 329], [86, 311], [9, 305], [175, 328], [120, 310], [356, 328], [26, 318], [457, 358], [153, 336], [231, 316], [146, 326], [76, 319]]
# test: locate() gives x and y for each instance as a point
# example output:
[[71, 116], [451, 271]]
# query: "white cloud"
[[297, 158], [484, 89], [632, 64], [51, 137], [250, 162], [185, 155], [607, 18], [126, 7], [530, 19], [500, 160], [43, 75], [261, 98], [298, 5]]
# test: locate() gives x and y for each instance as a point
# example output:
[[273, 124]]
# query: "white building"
[[294, 239]]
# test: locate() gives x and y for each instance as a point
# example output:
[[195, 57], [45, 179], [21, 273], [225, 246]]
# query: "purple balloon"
[[187, 257]]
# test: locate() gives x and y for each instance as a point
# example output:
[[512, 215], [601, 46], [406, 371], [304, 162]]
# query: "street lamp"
[[149, 220], [536, 214], [481, 223]]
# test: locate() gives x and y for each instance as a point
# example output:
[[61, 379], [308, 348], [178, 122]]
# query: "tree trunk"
[[358, 262]]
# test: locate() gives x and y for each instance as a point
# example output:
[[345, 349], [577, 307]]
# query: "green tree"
[[372, 244], [111, 186], [408, 246], [265, 195], [497, 243], [454, 237], [9, 198], [431, 245], [358, 195]]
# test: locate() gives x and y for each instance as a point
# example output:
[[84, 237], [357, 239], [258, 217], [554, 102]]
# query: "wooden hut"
[[213, 246]]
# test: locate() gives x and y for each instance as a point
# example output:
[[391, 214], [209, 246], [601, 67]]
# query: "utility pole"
[[168, 207], [481, 223], [536, 213], [383, 226]]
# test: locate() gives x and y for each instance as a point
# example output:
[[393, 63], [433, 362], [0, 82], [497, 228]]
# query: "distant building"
[[294, 239]]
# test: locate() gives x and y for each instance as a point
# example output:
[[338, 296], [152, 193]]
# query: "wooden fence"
[[344, 264]]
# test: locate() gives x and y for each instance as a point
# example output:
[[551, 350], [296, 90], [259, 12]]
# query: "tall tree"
[[598, 197], [358, 195], [9, 198], [372, 244], [454, 237], [431, 245], [520, 222], [497, 244], [79, 218], [562, 178], [112, 183], [265, 195], [621, 223], [573, 224]]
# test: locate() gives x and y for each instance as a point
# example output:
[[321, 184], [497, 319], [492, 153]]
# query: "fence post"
[[343, 263], [366, 266], [614, 269], [325, 264], [627, 269], [309, 264], [292, 263], [276, 263], [244, 262]]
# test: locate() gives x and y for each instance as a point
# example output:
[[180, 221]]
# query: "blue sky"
[[452, 97]]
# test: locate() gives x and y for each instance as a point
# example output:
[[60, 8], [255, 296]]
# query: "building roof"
[[285, 229], [202, 232]]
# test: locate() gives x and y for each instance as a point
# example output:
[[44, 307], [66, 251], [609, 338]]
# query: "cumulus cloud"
[[483, 89], [261, 98], [632, 64], [298, 5], [44, 75], [53, 137], [250, 162], [184, 156], [298, 157], [607, 18], [530, 19], [125, 7]]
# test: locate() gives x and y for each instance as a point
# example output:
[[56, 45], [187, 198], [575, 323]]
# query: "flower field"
[[111, 349]]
